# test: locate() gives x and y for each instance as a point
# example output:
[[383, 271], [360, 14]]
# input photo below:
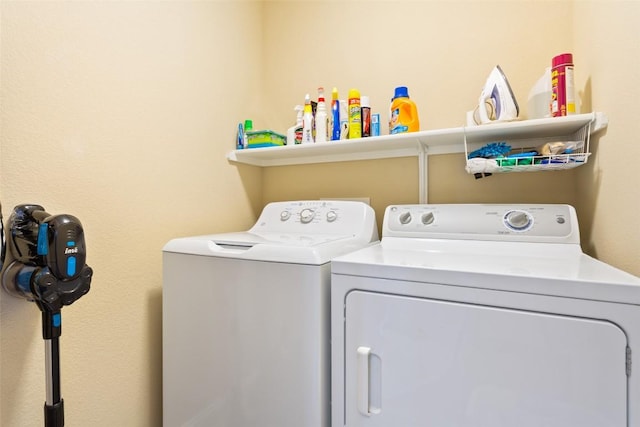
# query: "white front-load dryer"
[[246, 317], [483, 315]]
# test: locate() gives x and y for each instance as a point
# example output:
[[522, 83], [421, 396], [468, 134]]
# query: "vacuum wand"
[[46, 264], [54, 405]]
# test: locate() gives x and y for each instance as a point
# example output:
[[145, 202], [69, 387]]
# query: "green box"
[[265, 138]]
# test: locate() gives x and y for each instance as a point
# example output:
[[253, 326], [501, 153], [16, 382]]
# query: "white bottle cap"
[[364, 101]]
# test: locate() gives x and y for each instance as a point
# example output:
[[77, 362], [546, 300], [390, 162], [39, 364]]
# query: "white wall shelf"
[[440, 141], [420, 144]]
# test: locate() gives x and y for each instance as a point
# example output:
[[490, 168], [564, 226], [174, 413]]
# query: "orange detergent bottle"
[[403, 114]]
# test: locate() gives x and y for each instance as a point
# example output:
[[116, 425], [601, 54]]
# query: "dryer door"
[[421, 362]]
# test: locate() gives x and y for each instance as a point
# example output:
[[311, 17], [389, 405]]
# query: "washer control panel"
[[541, 222], [315, 216]]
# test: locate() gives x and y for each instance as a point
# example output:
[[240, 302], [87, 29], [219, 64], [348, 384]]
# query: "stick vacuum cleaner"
[[44, 262]]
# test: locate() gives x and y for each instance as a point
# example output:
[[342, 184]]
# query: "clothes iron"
[[497, 102]]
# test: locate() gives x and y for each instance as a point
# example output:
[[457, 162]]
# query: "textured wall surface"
[[119, 113], [606, 36]]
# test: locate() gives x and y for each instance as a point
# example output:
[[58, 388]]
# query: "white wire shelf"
[[531, 164], [527, 153]]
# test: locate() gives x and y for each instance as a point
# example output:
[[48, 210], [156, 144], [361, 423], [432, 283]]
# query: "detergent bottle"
[[403, 114]]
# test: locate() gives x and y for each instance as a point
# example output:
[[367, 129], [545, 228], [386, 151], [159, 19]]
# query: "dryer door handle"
[[368, 373]]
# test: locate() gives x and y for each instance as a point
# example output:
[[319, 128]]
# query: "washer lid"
[[300, 232], [538, 268], [277, 247]]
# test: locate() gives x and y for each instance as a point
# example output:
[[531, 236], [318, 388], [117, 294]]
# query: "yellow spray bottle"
[[355, 115]]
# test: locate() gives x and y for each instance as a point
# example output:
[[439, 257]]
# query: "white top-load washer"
[[246, 317], [483, 315]]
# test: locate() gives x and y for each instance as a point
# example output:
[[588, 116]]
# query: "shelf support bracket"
[[423, 185], [599, 121]]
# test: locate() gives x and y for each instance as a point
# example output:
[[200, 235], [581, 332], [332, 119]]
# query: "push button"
[[71, 266]]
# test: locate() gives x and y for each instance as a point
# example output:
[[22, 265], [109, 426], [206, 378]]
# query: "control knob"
[[405, 218], [518, 220], [331, 216], [427, 218], [285, 215], [306, 215]]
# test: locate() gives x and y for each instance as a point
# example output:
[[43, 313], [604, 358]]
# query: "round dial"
[[405, 217], [518, 220], [427, 218], [306, 215], [331, 216], [285, 215]]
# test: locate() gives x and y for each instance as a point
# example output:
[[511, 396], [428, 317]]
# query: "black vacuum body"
[[46, 258], [45, 262]]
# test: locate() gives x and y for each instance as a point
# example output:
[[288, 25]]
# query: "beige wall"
[[606, 36], [121, 112], [443, 51]]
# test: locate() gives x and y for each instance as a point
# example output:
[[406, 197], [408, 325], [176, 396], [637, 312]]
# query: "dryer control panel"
[[524, 223]]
